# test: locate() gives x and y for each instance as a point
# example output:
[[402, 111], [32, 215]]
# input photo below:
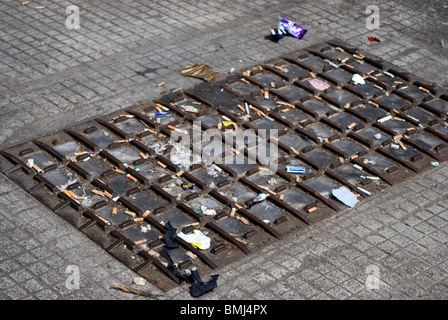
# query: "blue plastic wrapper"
[[292, 28]]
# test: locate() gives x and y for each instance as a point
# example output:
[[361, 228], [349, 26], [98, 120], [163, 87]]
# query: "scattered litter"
[[139, 281], [162, 115], [377, 136], [24, 3], [188, 186], [357, 79], [197, 239], [345, 196], [365, 191], [208, 212], [161, 84], [319, 84], [292, 169], [169, 236], [385, 119], [134, 291], [435, 164], [375, 39], [395, 146], [201, 71], [444, 44], [286, 27]]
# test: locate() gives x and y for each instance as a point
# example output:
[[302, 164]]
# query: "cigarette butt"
[[366, 161], [282, 197], [318, 98], [354, 157], [313, 74], [398, 137], [424, 89], [121, 141], [245, 81], [79, 153], [398, 82], [285, 110], [326, 140], [294, 151], [340, 49], [160, 84], [140, 219], [39, 7], [158, 120], [120, 171], [104, 220], [350, 66], [347, 106], [114, 211], [194, 224], [97, 192], [79, 198], [266, 94], [401, 145], [378, 87], [131, 177], [161, 164], [238, 206], [399, 119], [24, 3], [311, 210], [130, 213], [69, 193], [35, 167], [232, 213], [373, 104], [357, 57], [140, 241], [145, 214], [180, 173], [272, 84], [144, 156], [241, 108], [235, 126], [107, 194], [297, 179], [244, 220], [345, 60], [235, 151], [351, 126], [272, 192], [232, 70]]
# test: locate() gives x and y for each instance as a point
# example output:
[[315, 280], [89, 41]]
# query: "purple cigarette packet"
[[292, 28]]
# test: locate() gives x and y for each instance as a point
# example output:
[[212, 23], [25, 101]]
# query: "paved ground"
[[52, 77]]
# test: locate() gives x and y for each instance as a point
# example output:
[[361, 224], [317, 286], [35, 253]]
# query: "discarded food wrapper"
[[435, 164], [344, 195], [375, 39], [357, 79], [208, 212], [261, 197], [162, 115], [319, 84], [292, 28], [201, 71], [292, 169], [197, 239], [188, 186], [139, 281]]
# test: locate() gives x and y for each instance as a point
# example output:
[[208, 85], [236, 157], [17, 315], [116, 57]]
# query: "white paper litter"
[[197, 239], [345, 196], [208, 212], [357, 79]]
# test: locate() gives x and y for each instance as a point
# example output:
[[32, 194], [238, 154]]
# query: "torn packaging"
[[344, 195], [201, 71]]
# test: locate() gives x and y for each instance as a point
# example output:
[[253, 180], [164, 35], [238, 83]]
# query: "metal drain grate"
[[115, 180]]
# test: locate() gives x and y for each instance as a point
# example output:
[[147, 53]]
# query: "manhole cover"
[[120, 179]]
